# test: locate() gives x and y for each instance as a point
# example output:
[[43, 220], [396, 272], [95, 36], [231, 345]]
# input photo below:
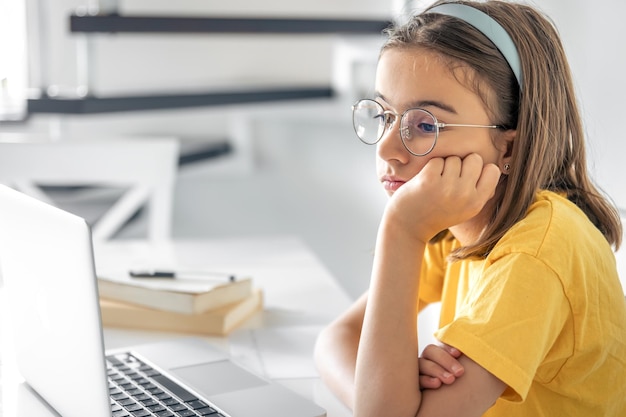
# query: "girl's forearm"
[[335, 358], [386, 380]]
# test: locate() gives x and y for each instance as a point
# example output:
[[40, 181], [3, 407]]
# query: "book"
[[186, 295], [218, 322]]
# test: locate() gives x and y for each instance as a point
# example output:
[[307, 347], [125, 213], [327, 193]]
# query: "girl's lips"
[[392, 184]]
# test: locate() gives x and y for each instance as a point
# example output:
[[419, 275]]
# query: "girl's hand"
[[439, 365], [446, 192]]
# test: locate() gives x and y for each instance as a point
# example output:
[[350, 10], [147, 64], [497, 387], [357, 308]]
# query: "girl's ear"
[[505, 145]]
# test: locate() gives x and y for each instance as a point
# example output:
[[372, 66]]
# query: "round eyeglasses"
[[419, 128]]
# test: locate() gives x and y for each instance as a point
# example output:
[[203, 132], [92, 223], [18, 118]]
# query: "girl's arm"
[[387, 371], [336, 349], [387, 379], [445, 193]]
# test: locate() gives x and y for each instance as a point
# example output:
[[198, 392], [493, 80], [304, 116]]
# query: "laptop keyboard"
[[138, 390]]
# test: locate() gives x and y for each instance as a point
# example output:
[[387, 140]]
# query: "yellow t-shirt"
[[544, 312]]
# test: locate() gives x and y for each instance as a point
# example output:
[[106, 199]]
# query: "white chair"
[[145, 168]]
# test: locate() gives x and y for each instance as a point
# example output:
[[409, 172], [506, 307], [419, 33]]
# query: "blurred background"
[[258, 94]]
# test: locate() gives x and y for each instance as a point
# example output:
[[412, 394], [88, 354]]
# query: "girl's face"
[[408, 78]]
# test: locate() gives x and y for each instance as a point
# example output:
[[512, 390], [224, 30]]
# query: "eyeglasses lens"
[[419, 131], [369, 121]]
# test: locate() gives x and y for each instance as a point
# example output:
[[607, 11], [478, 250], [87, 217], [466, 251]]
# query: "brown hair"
[[549, 149]]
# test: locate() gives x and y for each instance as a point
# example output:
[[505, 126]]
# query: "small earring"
[[507, 167]]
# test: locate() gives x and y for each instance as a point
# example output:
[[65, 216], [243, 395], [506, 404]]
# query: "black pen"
[[167, 274]]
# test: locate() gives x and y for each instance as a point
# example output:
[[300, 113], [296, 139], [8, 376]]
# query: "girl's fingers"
[[429, 382], [445, 357], [451, 350], [434, 370]]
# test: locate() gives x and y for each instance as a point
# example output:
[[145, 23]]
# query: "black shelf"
[[114, 23], [92, 105]]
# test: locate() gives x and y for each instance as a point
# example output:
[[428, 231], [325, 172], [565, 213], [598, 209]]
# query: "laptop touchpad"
[[217, 377]]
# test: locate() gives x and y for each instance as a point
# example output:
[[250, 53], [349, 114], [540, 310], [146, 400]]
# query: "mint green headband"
[[489, 27]]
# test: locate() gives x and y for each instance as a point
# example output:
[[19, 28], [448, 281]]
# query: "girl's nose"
[[390, 146]]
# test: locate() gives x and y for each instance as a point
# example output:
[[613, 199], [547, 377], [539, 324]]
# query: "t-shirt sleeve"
[[510, 320]]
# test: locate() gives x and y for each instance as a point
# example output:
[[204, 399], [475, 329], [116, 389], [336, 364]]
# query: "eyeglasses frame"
[[389, 124]]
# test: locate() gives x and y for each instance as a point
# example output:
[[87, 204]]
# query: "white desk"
[[298, 291]]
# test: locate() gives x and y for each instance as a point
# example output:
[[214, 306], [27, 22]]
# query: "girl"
[[491, 211]]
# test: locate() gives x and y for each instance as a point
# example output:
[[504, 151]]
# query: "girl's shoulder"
[[553, 228]]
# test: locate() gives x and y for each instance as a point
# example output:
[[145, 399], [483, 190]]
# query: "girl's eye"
[[420, 123], [380, 116], [426, 127], [385, 119]]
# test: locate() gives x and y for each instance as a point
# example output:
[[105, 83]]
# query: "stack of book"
[[186, 302]]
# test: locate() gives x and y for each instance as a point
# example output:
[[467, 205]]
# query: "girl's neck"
[[469, 231]]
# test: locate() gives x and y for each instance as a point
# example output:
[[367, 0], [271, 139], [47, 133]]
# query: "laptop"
[[47, 264]]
